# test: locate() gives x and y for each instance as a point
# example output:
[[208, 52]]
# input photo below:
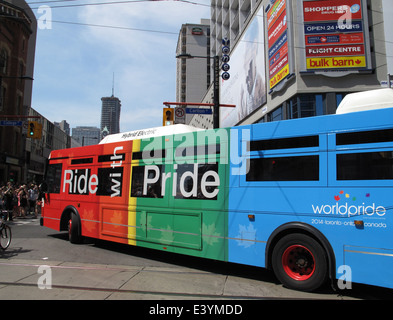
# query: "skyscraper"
[[193, 75], [110, 115]]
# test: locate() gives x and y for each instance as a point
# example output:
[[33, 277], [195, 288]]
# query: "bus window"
[[111, 182], [197, 181], [374, 136], [82, 161], [285, 143], [302, 168], [365, 166], [53, 177], [151, 189]]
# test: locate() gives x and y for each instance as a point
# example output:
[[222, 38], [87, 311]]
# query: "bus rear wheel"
[[74, 234], [299, 262]]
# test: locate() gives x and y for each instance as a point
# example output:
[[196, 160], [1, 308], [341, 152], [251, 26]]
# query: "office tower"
[[110, 115], [193, 75]]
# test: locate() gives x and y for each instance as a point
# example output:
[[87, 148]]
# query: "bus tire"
[[300, 262], [74, 229]]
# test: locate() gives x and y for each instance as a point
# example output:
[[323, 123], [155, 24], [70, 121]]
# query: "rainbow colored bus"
[[309, 198]]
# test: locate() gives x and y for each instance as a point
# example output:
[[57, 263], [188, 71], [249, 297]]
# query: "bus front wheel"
[[299, 262], [74, 234]]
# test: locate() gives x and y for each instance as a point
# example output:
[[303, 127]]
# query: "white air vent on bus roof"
[[367, 100], [149, 133]]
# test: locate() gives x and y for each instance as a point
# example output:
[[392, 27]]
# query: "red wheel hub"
[[298, 262]]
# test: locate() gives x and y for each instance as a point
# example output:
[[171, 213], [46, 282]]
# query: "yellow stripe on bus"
[[136, 145]]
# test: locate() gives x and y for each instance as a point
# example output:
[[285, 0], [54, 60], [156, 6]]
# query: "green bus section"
[[178, 190]]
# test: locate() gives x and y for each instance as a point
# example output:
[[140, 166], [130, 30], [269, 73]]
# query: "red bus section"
[[91, 185]]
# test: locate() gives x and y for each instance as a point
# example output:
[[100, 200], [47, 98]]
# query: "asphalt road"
[[42, 264]]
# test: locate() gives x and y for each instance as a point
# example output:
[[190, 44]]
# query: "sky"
[[76, 58]]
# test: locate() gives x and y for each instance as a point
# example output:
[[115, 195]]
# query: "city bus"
[[310, 198]]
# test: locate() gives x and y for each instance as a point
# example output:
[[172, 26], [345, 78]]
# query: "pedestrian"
[[22, 201], [8, 198], [33, 196], [2, 203]]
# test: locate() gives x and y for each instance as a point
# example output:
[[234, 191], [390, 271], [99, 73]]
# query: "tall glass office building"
[[110, 116]]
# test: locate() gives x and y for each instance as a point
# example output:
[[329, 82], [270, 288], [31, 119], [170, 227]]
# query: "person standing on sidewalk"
[[9, 200], [22, 201], [33, 196]]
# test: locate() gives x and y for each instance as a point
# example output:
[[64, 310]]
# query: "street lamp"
[[216, 83]]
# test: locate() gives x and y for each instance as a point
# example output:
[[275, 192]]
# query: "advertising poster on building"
[[387, 6], [246, 87], [278, 36], [335, 35]]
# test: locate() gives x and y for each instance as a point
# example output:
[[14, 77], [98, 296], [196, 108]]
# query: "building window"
[[340, 97], [3, 61], [276, 115], [304, 106]]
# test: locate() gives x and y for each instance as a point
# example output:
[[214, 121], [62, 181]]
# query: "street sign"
[[198, 111], [11, 123], [180, 115]]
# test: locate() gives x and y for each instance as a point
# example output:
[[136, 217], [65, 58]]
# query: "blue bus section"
[[328, 178]]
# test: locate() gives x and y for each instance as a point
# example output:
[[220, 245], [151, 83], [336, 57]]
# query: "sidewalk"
[[22, 279]]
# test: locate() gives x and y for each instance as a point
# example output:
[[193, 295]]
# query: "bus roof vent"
[[367, 100], [149, 133]]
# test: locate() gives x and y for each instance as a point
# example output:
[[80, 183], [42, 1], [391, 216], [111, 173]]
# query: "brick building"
[[17, 47]]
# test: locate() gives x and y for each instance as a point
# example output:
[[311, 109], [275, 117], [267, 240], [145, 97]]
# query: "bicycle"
[[5, 235]]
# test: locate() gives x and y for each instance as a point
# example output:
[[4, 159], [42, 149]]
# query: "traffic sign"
[[198, 111], [180, 115]]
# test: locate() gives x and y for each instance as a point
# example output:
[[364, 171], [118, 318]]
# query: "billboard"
[[331, 10], [246, 87], [278, 37], [387, 10], [334, 35]]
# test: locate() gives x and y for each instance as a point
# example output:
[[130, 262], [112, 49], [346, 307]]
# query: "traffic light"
[[31, 129], [167, 116], [34, 130]]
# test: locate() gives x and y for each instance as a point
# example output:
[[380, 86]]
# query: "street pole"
[[216, 85], [216, 93]]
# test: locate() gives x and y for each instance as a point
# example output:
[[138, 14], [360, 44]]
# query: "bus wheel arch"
[[309, 236], [70, 221]]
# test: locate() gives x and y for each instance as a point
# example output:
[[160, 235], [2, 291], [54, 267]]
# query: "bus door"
[[148, 191], [199, 178], [113, 166]]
